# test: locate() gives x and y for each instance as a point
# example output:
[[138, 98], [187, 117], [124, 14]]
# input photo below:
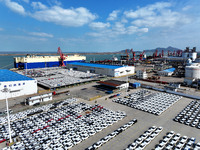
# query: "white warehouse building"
[[109, 70], [16, 84]]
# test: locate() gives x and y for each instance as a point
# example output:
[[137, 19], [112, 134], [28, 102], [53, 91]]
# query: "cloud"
[[186, 8], [113, 16], [58, 3], [14, 6], [166, 19], [1, 29], [38, 5], [99, 25], [134, 29], [26, 1], [156, 15], [74, 17], [149, 10], [41, 34], [123, 20], [118, 29]]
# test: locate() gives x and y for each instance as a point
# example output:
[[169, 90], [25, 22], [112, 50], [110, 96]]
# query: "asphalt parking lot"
[[145, 120]]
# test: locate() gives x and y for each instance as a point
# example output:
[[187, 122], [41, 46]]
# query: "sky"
[[98, 25]]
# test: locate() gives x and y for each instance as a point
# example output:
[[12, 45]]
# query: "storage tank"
[[193, 71], [193, 55]]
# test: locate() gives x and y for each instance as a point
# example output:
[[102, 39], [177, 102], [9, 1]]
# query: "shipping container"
[[135, 85]]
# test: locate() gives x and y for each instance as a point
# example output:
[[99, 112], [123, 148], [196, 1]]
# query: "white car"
[[68, 145], [197, 146]]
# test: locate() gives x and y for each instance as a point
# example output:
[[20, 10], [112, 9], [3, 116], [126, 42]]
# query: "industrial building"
[[181, 56], [115, 84], [141, 74], [166, 72], [16, 84], [192, 54], [109, 70]]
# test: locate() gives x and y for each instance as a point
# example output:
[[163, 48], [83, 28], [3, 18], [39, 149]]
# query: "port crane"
[[133, 55], [141, 55], [155, 55], [162, 53], [179, 53], [127, 55], [62, 57]]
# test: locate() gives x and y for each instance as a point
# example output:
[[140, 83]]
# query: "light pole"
[[26, 69], [6, 90], [127, 82]]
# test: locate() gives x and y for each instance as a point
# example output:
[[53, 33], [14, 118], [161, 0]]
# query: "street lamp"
[[6, 90]]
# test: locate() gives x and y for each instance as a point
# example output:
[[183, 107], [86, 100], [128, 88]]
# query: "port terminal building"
[[102, 69], [16, 84]]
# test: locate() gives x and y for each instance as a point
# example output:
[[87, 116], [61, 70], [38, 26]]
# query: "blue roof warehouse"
[[166, 72], [109, 70]]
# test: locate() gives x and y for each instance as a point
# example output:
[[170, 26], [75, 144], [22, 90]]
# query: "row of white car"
[[155, 103], [25, 113], [22, 118], [190, 115], [145, 139], [175, 141], [62, 127], [111, 135]]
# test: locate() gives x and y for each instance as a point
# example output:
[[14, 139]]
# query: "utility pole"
[[6, 90]]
